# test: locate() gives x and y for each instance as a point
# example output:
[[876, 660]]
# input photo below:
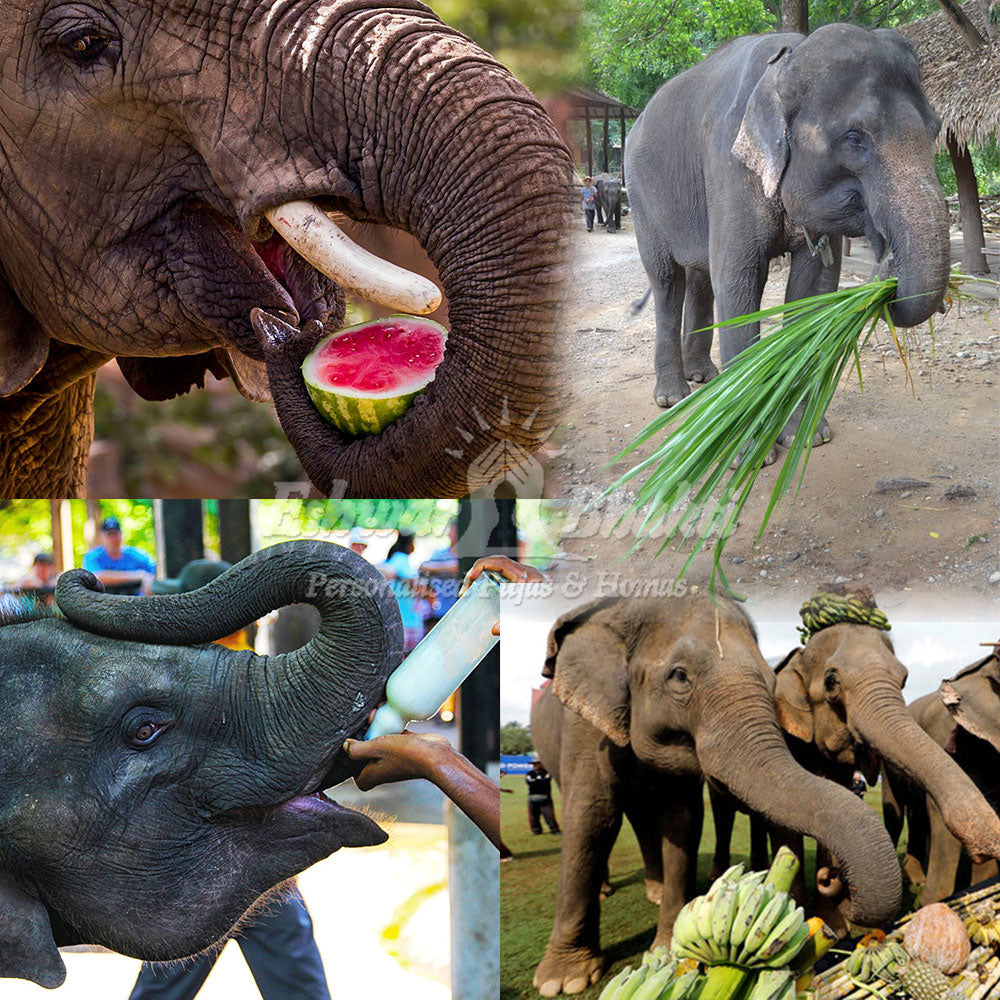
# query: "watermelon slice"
[[364, 377]]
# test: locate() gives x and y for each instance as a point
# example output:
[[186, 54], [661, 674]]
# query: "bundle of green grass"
[[719, 437]]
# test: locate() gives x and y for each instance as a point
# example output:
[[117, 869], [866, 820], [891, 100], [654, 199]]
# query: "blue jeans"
[[279, 948], [589, 214]]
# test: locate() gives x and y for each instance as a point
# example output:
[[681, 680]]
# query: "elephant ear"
[[762, 141], [973, 699], [27, 948], [24, 345], [164, 378], [791, 698], [588, 661]]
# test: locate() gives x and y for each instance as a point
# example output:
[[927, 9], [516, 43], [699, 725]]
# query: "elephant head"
[[842, 693], [151, 791], [839, 129], [973, 699], [683, 684], [146, 147]]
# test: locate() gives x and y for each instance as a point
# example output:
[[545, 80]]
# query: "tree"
[[515, 739]]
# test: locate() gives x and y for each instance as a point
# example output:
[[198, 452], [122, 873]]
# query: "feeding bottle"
[[421, 684]]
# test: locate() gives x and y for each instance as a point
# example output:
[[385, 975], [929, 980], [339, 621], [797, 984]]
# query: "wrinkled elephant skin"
[[151, 790], [648, 699], [146, 144]]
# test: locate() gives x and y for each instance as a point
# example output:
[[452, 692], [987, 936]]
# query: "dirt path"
[[945, 434]]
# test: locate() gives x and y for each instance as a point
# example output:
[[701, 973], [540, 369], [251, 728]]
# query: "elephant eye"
[[831, 683], [678, 677], [855, 141], [144, 733]]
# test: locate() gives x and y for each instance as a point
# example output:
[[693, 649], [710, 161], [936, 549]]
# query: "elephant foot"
[[787, 436], [654, 891], [670, 390], [568, 970], [914, 871], [700, 370], [606, 890], [769, 459]]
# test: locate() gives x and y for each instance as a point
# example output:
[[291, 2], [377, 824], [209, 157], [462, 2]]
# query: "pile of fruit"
[[941, 952], [745, 939]]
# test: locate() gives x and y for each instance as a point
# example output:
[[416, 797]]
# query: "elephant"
[[648, 698], [963, 718], [152, 789], [149, 150], [839, 702], [775, 144], [609, 201]]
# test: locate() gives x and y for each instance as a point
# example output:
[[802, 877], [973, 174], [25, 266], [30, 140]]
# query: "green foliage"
[[278, 519], [630, 47], [536, 41], [985, 161], [136, 518], [515, 739]]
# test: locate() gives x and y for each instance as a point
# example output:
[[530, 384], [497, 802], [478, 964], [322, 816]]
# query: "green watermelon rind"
[[356, 413]]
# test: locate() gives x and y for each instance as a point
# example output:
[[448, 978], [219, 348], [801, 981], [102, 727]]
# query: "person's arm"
[[422, 755]]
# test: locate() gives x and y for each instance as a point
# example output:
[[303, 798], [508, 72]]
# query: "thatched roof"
[[587, 102], [963, 86]]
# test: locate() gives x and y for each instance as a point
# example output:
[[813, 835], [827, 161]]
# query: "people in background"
[[540, 805], [121, 568], [589, 195], [41, 576], [402, 577], [441, 574]]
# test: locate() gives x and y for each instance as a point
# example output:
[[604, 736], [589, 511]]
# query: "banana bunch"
[[745, 920], [876, 961], [656, 978], [983, 925], [831, 609]]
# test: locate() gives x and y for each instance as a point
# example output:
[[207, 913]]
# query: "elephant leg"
[[917, 840], [696, 348], [807, 276], [668, 298], [682, 823], [984, 870], [759, 859], [892, 804], [573, 961], [600, 211], [618, 215], [723, 815], [648, 826], [945, 853]]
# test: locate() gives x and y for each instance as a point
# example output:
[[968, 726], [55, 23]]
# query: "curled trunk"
[[881, 719], [468, 163], [762, 774], [294, 709]]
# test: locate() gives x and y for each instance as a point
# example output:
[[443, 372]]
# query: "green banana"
[[654, 985], [703, 915], [614, 982], [746, 915], [784, 930], [784, 868], [772, 984], [723, 913], [795, 944], [630, 987], [763, 926], [684, 987]]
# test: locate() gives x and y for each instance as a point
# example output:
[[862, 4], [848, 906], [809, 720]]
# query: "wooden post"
[[62, 534], [969, 215], [606, 164], [622, 119], [590, 146]]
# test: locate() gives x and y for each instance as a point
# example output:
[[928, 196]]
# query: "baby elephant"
[[150, 790]]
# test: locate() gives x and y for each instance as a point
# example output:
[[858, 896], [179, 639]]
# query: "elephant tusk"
[[319, 240]]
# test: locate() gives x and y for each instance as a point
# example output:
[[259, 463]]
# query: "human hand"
[[514, 571], [397, 757]]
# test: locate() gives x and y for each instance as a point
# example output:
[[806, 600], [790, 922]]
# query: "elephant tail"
[[640, 303]]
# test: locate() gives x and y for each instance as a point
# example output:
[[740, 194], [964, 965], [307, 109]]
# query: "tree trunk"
[[962, 24], [969, 214], [991, 29], [795, 16]]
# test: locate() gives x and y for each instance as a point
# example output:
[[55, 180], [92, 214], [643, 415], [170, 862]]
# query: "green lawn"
[[628, 919]]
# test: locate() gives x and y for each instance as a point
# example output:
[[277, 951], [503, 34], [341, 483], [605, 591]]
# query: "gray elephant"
[[648, 698], [771, 145], [608, 189], [148, 145], [149, 793], [963, 718]]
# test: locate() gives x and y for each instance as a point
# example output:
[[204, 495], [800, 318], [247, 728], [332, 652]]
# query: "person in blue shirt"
[[589, 202], [402, 577], [441, 573], [123, 568]]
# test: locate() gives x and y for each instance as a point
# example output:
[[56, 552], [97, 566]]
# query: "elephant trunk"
[[909, 210], [444, 144], [761, 772], [879, 717], [294, 710]]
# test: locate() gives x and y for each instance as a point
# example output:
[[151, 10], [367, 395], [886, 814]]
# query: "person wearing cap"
[[122, 567], [589, 202], [42, 575], [279, 946]]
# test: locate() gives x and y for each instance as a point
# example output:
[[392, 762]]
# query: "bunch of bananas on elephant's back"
[[748, 937]]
